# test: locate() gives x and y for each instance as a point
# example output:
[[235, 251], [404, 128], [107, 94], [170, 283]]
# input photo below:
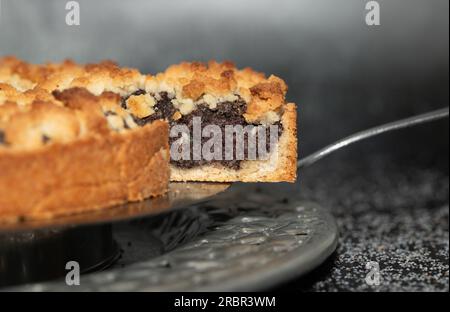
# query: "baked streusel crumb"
[[219, 93]]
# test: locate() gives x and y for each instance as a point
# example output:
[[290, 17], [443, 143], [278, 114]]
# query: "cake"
[[71, 151], [105, 131], [222, 95]]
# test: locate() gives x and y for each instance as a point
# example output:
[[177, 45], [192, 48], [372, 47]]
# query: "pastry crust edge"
[[87, 174]]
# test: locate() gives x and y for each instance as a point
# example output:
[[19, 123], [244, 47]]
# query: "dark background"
[[344, 75]]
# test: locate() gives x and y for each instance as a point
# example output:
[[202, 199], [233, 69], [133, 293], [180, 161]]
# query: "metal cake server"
[[365, 134]]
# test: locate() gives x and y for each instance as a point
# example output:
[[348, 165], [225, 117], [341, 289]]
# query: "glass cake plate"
[[252, 237]]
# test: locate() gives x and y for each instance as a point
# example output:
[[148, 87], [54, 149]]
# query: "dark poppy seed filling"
[[226, 113], [2, 137], [109, 113], [45, 139]]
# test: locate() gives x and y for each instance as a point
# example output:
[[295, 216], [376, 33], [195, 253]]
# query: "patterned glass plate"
[[251, 237]]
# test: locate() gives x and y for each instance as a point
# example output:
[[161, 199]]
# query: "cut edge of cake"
[[280, 167]]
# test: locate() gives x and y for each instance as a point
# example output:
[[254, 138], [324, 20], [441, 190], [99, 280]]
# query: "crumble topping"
[[141, 105], [214, 82], [105, 97], [115, 122], [185, 106]]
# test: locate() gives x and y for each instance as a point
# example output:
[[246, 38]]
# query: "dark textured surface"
[[391, 211]]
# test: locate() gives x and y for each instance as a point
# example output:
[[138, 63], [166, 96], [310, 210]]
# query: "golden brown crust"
[[65, 116], [187, 81], [86, 174], [97, 78]]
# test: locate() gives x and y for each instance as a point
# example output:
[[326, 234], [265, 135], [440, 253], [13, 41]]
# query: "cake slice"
[[221, 95], [216, 94]]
